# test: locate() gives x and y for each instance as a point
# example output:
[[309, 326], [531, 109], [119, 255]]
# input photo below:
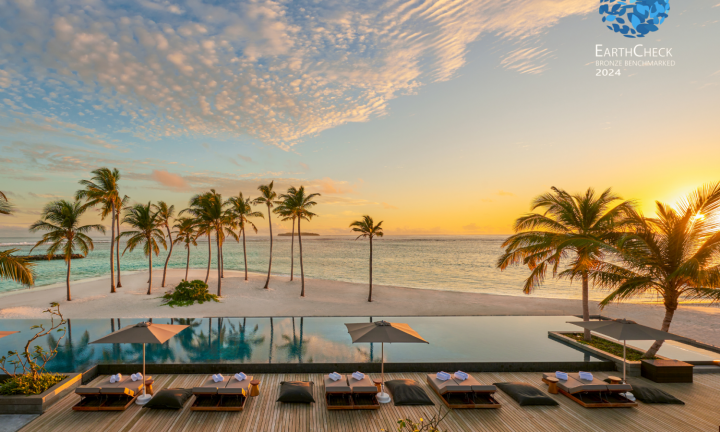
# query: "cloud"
[[170, 180], [388, 206], [245, 158], [504, 193], [304, 166], [330, 186], [274, 71], [532, 60]]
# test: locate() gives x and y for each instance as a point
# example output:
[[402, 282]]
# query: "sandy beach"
[[92, 299]]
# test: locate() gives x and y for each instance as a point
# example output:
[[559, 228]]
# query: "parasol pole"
[[624, 359]]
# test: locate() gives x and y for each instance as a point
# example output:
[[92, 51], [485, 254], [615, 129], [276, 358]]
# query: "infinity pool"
[[319, 340]]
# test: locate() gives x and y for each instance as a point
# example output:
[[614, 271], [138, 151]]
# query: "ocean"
[[453, 263]]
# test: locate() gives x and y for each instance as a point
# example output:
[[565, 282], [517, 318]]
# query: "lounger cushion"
[[576, 385], [484, 388], [172, 398], [408, 392], [443, 387], [525, 394], [652, 395], [209, 386], [339, 386], [235, 387], [296, 392], [365, 385], [86, 390]]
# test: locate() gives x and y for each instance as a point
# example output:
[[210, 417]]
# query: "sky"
[[435, 116]]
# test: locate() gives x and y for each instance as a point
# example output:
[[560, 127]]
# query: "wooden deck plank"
[[263, 413]]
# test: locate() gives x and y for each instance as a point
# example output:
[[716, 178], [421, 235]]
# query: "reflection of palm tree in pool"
[[271, 340], [72, 355], [240, 342], [294, 346]]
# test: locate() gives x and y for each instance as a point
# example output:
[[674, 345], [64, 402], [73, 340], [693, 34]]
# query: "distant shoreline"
[[304, 234]]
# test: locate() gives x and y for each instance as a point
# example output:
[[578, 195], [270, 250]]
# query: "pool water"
[[318, 340]]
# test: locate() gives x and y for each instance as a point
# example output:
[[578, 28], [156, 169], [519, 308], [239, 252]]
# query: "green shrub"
[[187, 293], [25, 384], [608, 346]]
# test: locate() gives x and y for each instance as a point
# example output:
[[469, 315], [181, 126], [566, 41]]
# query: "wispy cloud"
[[531, 60], [276, 71]]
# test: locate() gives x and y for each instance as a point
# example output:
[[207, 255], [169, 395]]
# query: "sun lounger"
[[338, 394], [227, 395], [107, 396], [468, 393], [364, 393], [593, 393]]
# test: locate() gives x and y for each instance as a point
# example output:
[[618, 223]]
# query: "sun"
[[698, 217]]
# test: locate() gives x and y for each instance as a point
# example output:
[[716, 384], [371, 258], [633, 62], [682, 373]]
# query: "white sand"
[[92, 299]]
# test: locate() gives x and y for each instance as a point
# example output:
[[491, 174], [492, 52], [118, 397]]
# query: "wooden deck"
[[262, 413]]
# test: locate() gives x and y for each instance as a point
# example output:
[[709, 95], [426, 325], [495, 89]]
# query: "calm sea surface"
[[438, 263]]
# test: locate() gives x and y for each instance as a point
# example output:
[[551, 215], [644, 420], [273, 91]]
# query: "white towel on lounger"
[[335, 376], [561, 375], [218, 378], [462, 376], [586, 376], [443, 376], [116, 378], [136, 376], [358, 375], [240, 376]]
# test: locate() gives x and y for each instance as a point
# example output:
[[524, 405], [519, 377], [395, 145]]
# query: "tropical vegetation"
[[367, 228], [146, 233], [570, 237], [186, 234], [240, 210], [61, 220], [165, 214], [188, 293], [267, 197], [15, 268]]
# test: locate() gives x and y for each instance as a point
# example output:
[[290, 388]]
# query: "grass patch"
[[25, 384], [189, 293], [607, 346]]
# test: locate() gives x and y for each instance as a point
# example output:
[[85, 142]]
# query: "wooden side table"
[[615, 380], [552, 384], [378, 384], [254, 388], [148, 386]]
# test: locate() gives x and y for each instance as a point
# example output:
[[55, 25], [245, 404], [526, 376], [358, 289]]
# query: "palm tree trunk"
[[370, 295], [112, 248], [669, 312], [244, 252], [187, 264], [67, 281], [302, 269], [222, 260], [267, 282], [217, 239], [167, 260], [150, 276], [207, 275], [586, 307], [117, 248], [292, 253]]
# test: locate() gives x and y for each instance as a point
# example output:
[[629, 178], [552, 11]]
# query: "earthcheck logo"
[[634, 18]]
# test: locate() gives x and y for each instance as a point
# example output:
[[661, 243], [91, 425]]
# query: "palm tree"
[[11, 267], [367, 228], [287, 215], [61, 220], [209, 210], [102, 190], [674, 255], [147, 233], [267, 197], [188, 235], [241, 210], [165, 213], [575, 227], [118, 208], [297, 205]]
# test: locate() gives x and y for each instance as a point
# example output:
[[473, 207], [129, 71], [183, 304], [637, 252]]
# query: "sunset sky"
[[438, 117]]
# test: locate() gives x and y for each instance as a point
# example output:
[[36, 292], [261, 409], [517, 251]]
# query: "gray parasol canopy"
[[383, 332]]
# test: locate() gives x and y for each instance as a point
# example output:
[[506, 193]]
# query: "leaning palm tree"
[[267, 197], [298, 205], [673, 255], [12, 267], [367, 228], [118, 209], [147, 233], [241, 210], [209, 210], [6, 207], [102, 191], [186, 234], [165, 213], [572, 230], [61, 220]]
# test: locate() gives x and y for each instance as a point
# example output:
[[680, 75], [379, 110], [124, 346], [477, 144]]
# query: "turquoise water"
[[439, 263]]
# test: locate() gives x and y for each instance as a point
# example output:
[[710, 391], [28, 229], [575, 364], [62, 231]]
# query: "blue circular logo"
[[634, 18]]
